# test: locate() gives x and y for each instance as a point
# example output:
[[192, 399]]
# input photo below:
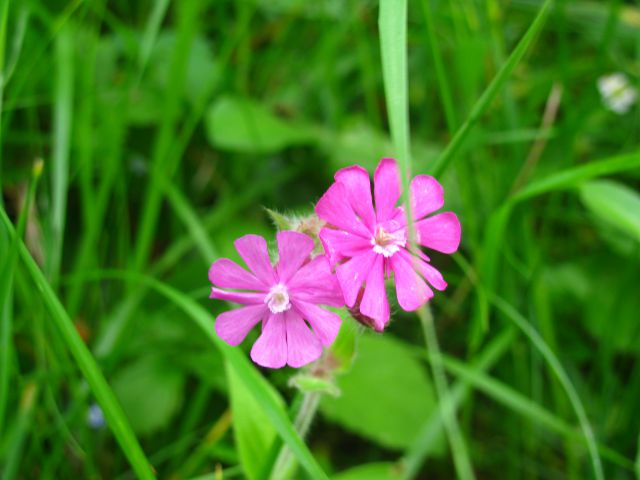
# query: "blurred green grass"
[[166, 126]]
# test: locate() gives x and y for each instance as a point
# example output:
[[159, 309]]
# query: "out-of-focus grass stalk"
[[492, 90], [114, 415], [285, 463], [427, 439], [28, 400], [6, 289], [62, 117], [393, 44], [150, 34], [162, 163], [4, 13], [562, 376], [638, 460], [446, 97], [7, 264]]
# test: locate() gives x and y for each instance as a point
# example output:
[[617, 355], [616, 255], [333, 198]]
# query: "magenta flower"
[[282, 298], [366, 243]]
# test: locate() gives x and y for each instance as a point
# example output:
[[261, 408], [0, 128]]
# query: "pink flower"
[[367, 243], [282, 298]]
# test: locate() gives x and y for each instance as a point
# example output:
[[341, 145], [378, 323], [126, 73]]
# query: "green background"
[[164, 129]]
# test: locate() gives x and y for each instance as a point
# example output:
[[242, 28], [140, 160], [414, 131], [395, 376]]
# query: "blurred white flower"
[[617, 93]]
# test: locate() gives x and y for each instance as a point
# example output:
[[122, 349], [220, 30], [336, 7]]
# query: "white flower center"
[[278, 299], [388, 243]]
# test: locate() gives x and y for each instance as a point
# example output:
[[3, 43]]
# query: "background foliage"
[[163, 128]]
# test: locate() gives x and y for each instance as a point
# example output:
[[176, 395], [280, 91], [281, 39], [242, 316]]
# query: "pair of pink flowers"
[[362, 244]]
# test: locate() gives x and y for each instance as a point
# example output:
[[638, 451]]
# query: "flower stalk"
[[285, 464]]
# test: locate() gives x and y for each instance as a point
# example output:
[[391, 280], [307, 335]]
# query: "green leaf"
[[201, 66], [150, 392], [243, 125], [253, 433], [370, 471], [386, 396], [615, 204], [148, 100]]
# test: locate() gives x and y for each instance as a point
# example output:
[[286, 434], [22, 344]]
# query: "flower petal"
[[325, 324], [321, 296], [424, 268], [314, 272], [225, 273], [234, 325], [427, 196], [253, 250], [386, 186], [339, 244], [440, 232], [352, 274], [334, 208], [302, 344], [358, 186], [245, 298], [374, 301], [315, 283], [270, 350], [294, 249], [411, 289]]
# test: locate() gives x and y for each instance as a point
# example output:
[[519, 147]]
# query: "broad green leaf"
[[386, 396], [253, 433], [370, 471], [148, 100], [150, 392], [201, 66], [243, 125], [615, 204]]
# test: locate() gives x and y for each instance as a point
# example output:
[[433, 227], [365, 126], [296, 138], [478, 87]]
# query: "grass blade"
[[539, 343], [104, 395], [502, 393], [443, 162], [6, 287], [446, 97], [63, 113], [423, 445], [161, 163], [151, 33], [638, 460], [573, 177], [499, 220], [393, 46]]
